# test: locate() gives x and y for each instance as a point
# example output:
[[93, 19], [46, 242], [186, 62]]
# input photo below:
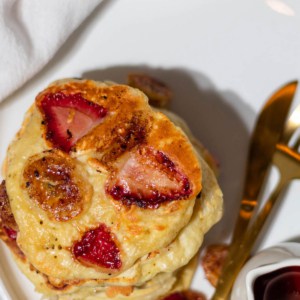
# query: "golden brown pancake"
[[109, 196]]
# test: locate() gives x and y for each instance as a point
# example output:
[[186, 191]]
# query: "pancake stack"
[[105, 197]]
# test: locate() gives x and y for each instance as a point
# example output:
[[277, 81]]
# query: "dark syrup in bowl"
[[281, 284]]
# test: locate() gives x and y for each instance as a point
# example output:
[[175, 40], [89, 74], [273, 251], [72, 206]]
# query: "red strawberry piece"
[[185, 295], [11, 233], [69, 118], [7, 219], [176, 296], [97, 247], [147, 177]]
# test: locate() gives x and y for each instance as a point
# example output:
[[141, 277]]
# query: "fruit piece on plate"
[[147, 177], [158, 92], [69, 117], [97, 247], [7, 219], [57, 184], [213, 261], [185, 295]]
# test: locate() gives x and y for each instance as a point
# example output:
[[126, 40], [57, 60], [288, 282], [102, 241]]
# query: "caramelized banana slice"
[[57, 184]]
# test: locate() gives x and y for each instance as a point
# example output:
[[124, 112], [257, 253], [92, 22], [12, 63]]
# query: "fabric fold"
[[31, 32]]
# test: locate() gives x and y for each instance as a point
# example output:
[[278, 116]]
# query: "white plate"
[[221, 58]]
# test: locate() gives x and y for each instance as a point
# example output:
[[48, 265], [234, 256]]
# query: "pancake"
[[105, 193]]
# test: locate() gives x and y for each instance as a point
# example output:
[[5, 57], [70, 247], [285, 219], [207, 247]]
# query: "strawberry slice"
[[147, 177], [185, 295], [97, 247], [7, 219], [11, 233], [69, 118], [176, 296]]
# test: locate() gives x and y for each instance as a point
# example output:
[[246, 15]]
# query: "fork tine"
[[291, 126]]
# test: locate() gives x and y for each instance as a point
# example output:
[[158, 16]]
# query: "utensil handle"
[[244, 217], [241, 250]]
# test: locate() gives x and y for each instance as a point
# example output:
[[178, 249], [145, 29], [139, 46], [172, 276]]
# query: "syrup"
[[282, 284]]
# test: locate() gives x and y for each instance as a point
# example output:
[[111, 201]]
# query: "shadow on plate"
[[219, 119], [295, 239]]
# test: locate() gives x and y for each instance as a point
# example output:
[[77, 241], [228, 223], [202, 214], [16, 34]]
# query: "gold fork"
[[287, 160]]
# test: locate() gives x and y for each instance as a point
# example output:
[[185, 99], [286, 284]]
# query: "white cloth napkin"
[[31, 31]]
